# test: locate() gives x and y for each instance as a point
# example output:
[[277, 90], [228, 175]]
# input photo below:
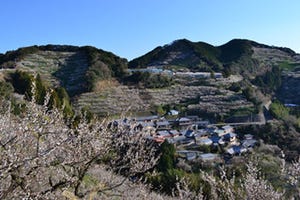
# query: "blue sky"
[[131, 28]]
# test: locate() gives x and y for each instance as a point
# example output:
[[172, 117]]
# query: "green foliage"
[[148, 80], [160, 110], [61, 100], [235, 56], [167, 159], [22, 82], [103, 65], [288, 66], [248, 92], [138, 77], [204, 148], [271, 169], [270, 81], [235, 87], [5, 90], [243, 111], [278, 110], [40, 92], [235, 49], [7, 59], [158, 81], [205, 56]]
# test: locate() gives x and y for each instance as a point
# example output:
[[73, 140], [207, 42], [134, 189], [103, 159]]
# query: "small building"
[[162, 125], [183, 121], [193, 118], [202, 124], [217, 140], [236, 150], [158, 139], [230, 137], [174, 133], [208, 157], [164, 134], [142, 126], [248, 137], [191, 156], [189, 133], [249, 143], [204, 141], [177, 140], [173, 112], [219, 132], [201, 134], [228, 129], [187, 141], [151, 118]]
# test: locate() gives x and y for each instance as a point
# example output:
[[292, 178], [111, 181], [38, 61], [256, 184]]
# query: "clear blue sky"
[[131, 28]]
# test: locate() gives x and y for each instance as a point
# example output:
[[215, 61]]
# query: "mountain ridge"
[[205, 57], [86, 69]]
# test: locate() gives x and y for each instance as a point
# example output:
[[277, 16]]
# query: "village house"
[[236, 150], [164, 134], [230, 137], [173, 112], [184, 122], [146, 127], [151, 118], [174, 133], [217, 140], [228, 129], [189, 133], [204, 141], [162, 125], [205, 157], [249, 143]]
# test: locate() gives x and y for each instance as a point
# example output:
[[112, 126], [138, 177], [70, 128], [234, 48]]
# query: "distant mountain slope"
[[97, 79], [237, 56], [182, 53], [78, 69]]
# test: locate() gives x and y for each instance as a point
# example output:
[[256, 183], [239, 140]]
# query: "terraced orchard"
[[58, 68], [121, 99]]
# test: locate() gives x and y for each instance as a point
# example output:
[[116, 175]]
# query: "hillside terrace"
[[160, 70]]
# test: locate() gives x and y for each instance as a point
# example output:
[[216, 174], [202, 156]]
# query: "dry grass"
[[1, 77], [105, 84]]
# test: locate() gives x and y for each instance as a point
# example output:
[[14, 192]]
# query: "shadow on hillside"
[[71, 74]]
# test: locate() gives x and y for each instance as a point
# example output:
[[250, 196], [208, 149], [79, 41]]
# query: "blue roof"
[[229, 135], [215, 139], [189, 133], [208, 156]]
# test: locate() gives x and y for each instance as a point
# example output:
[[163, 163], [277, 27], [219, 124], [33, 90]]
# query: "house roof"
[[208, 156], [184, 119], [205, 141], [163, 133], [174, 132], [249, 143], [248, 136], [162, 123], [236, 150], [230, 135], [147, 118], [147, 124], [227, 127], [189, 133], [215, 139], [174, 112]]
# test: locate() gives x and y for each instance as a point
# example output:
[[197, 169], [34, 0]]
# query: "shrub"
[[278, 110]]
